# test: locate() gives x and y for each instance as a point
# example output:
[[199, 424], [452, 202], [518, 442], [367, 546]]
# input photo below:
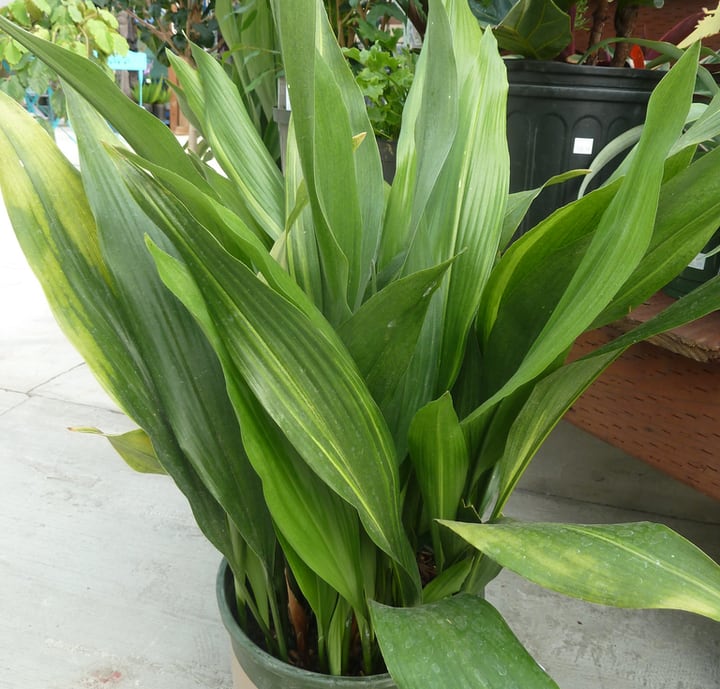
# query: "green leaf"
[[536, 29], [301, 375], [19, 12], [75, 14], [618, 244], [254, 49], [11, 52], [440, 457], [301, 250], [135, 447], [449, 582], [52, 219], [238, 147], [144, 132], [514, 312], [686, 220], [554, 395], [382, 335], [635, 565], [460, 642], [448, 197], [519, 202], [184, 373], [346, 189]]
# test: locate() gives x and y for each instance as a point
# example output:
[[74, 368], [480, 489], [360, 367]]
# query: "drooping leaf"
[[185, 374], [314, 521], [554, 395], [461, 642], [635, 565], [687, 219], [135, 447], [57, 232]]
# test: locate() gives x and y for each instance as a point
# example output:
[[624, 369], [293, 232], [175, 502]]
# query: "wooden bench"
[[660, 402]]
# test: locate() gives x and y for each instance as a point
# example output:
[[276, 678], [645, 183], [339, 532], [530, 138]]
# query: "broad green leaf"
[[490, 13], [449, 582], [144, 132], [238, 147], [519, 203], [135, 447], [429, 127], [382, 335], [100, 34], [555, 394], [536, 29], [346, 189], [514, 311], [300, 374], [54, 225], [473, 187], [621, 239], [460, 642], [453, 172], [687, 218], [315, 522], [57, 232], [440, 457], [185, 373], [11, 51], [635, 565]]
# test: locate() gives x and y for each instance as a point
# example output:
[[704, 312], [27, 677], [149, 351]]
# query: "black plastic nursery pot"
[[253, 668], [560, 116]]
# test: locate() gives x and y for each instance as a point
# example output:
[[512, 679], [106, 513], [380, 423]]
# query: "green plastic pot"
[[253, 668]]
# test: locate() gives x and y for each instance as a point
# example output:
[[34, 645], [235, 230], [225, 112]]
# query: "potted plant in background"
[[155, 97], [85, 29], [561, 114], [347, 379]]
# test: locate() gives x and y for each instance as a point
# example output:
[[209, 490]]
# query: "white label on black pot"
[[582, 146], [698, 262]]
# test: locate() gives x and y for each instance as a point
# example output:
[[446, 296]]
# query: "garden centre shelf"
[[660, 401]]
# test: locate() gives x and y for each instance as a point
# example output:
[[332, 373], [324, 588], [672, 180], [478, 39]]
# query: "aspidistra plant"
[[346, 379]]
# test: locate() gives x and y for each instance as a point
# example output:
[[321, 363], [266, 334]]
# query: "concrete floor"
[[106, 581]]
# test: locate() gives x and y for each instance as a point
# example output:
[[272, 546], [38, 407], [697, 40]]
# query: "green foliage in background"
[[385, 74], [77, 25]]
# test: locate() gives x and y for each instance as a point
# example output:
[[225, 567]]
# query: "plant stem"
[[600, 16], [366, 639], [625, 17]]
